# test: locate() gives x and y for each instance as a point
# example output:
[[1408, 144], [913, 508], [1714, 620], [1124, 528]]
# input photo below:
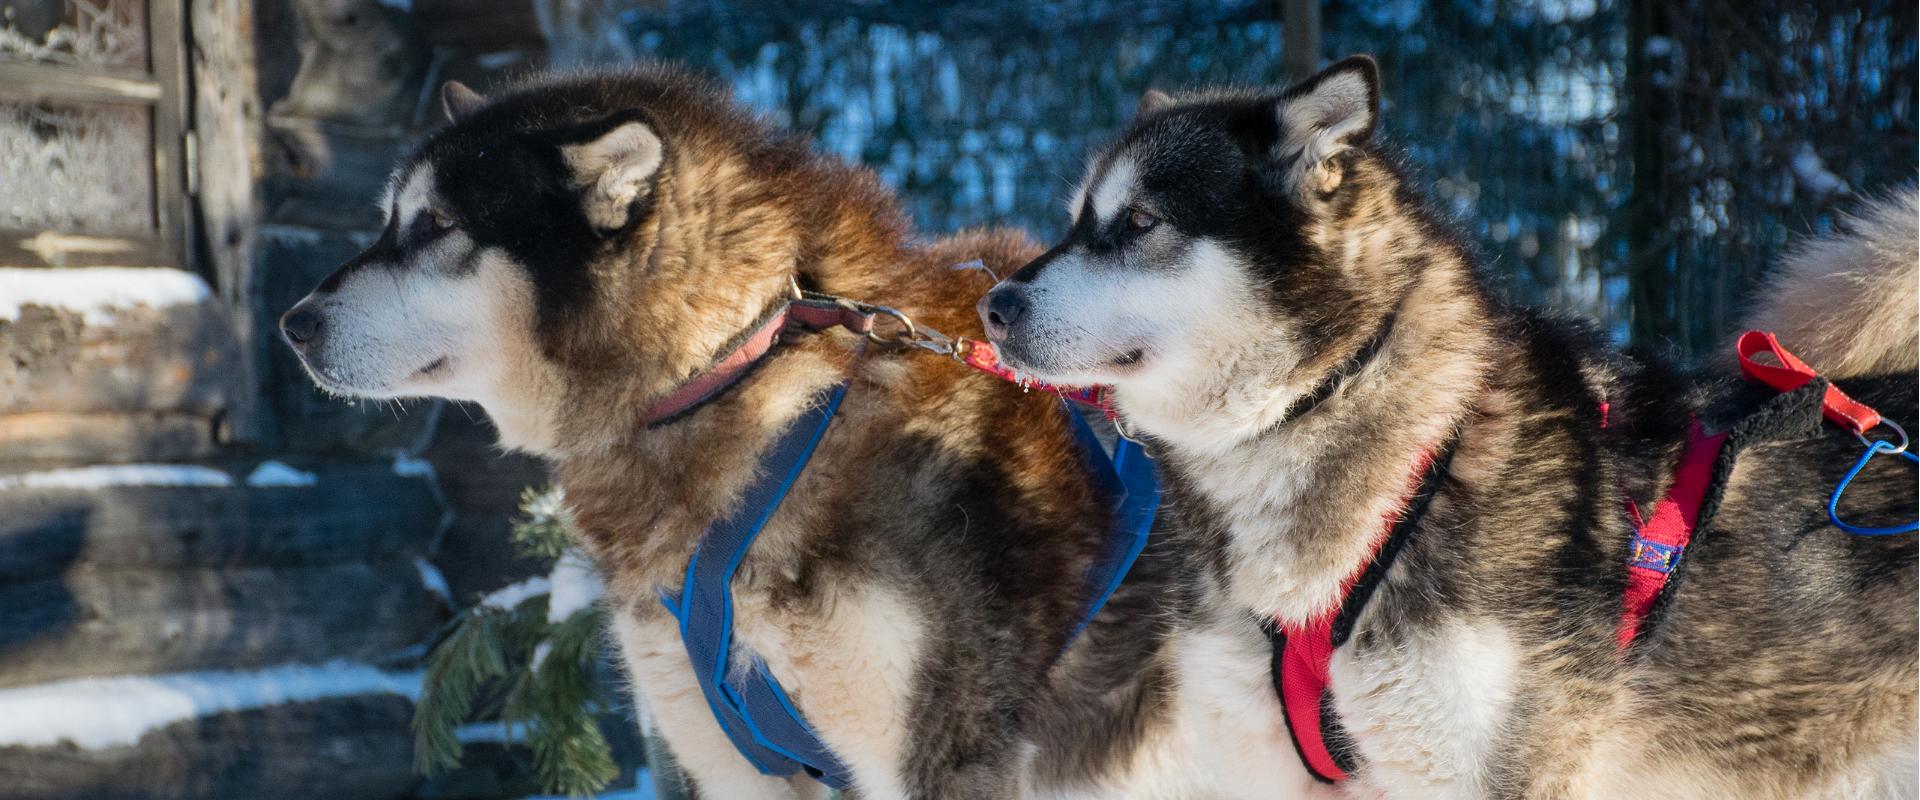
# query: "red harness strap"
[[1307, 649], [1793, 373], [1660, 538]]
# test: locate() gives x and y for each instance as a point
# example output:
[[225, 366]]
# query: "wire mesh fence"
[[1638, 162]]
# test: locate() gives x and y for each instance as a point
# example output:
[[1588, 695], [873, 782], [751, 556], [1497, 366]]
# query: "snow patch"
[[492, 733], [434, 580], [97, 713], [112, 475], [575, 586], [407, 466], [274, 474], [507, 598], [97, 293]]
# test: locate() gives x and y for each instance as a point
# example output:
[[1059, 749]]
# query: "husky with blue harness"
[[841, 551]]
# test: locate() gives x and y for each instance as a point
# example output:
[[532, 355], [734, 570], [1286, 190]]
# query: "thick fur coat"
[[573, 249], [1288, 323]]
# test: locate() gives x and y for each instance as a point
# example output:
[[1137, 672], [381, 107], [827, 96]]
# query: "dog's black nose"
[[1001, 308], [300, 326]]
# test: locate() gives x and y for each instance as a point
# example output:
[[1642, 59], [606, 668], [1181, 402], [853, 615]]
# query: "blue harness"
[[746, 699]]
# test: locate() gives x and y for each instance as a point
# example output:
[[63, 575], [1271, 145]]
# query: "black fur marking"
[[1342, 372], [1403, 528]]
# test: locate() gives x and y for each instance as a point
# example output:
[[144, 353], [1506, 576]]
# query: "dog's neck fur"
[[689, 471], [1304, 500]]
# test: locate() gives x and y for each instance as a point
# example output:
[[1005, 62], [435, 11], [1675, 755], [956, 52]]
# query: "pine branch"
[[539, 672]]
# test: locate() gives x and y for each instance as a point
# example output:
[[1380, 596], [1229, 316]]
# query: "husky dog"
[[1301, 339], [570, 252]]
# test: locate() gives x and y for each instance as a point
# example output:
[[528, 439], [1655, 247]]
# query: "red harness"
[[1659, 540], [1302, 652]]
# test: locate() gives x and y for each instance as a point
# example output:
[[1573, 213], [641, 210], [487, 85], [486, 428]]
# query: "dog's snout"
[[301, 325], [1001, 309]]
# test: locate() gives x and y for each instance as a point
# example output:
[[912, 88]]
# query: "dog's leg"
[[664, 683]]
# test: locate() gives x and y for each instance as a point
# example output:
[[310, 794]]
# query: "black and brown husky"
[[575, 253], [1365, 442]]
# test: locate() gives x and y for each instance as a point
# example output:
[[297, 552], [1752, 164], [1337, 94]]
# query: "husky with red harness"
[[1497, 557]]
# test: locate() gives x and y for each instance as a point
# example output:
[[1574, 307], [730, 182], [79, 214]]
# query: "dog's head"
[[1218, 222], [533, 247]]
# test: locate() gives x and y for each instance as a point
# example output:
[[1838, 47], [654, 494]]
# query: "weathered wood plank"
[[227, 129], [353, 511], [355, 747], [92, 622], [142, 358], [103, 438]]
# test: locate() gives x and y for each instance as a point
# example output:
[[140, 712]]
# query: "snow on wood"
[[407, 466], [113, 475], [435, 580], [274, 474], [491, 733], [98, 713], [508, 597], [98, 292]]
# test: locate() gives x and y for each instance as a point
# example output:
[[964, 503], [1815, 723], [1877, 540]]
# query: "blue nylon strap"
[[747, 700], [1130, 478]]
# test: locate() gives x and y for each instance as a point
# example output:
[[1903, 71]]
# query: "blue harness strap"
[[747, 701], [1130, 479]]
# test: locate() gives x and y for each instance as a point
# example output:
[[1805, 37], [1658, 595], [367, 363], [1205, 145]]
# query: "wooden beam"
[[1300, 27], [227, 126], [39, 82]]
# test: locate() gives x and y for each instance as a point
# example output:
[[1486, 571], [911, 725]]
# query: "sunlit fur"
[[1285, 248]]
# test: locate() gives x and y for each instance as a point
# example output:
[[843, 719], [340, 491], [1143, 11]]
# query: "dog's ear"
[[614, 170], [1152, 101], [1327, 114], [459, 100]]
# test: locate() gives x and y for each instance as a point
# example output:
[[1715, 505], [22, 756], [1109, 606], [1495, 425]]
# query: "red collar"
[[808, 314], [814, 312], [1302, 652]]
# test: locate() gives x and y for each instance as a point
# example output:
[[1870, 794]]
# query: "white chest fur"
[[850, 672], [1426, 713]]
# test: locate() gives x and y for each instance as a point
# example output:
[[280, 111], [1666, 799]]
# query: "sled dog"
[[578, 253], [1467, 506]]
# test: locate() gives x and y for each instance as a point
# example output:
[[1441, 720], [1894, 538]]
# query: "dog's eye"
[[1141, 221], [429, 225]]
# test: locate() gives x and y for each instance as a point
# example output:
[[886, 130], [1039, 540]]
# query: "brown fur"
[[914, 590]]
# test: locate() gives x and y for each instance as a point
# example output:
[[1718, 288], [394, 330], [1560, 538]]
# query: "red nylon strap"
[[1660, 539], [808, 315], [1308, 649], [1792, 373], [981, 356]]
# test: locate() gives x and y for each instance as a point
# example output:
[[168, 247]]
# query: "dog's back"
[[1786, 654]]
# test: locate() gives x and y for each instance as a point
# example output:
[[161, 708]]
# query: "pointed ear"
[[615, 170], [1152, 101], [1328, 113], [459, 101]]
